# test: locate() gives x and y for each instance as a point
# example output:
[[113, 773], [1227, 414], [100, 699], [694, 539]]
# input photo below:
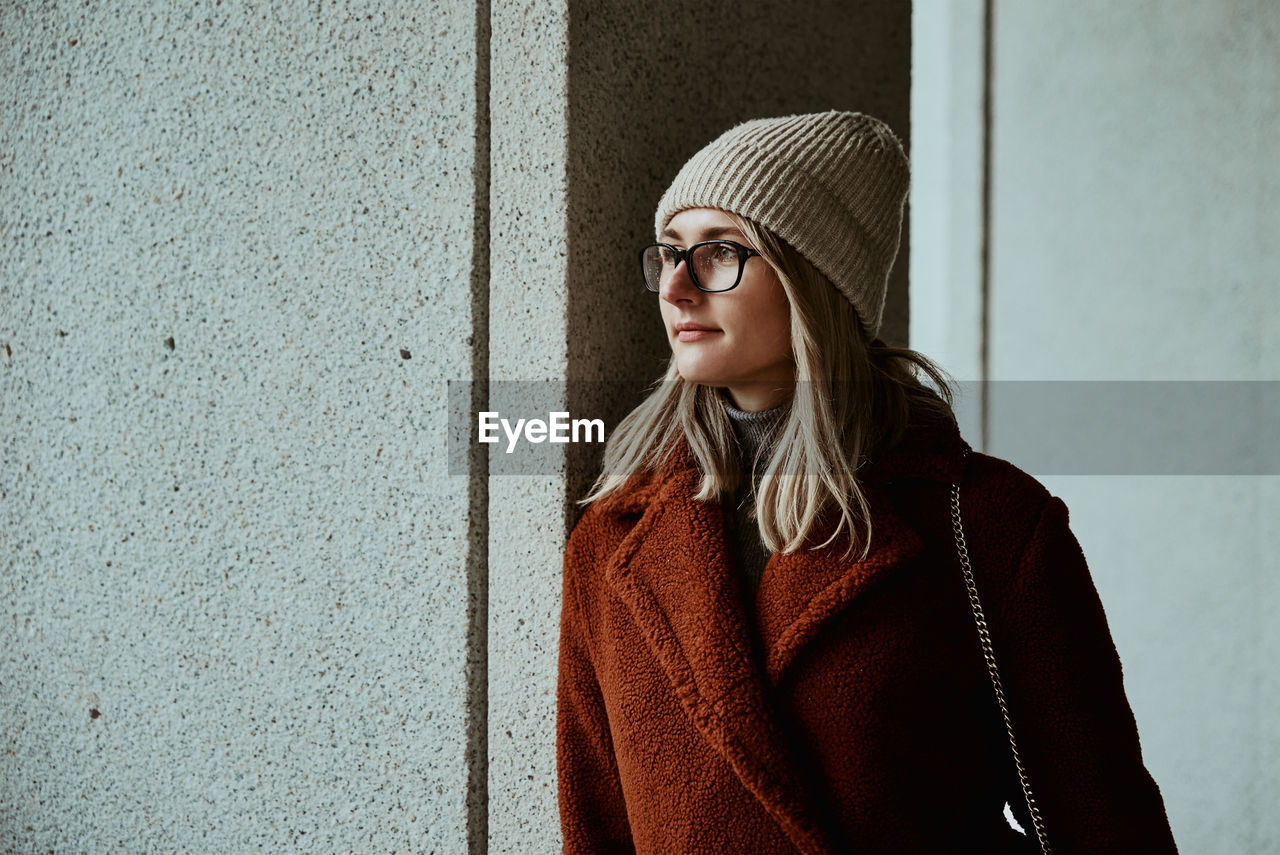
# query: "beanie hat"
[[832, 185]]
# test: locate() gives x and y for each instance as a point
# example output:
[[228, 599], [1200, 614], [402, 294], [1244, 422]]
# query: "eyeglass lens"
[[713, 266]]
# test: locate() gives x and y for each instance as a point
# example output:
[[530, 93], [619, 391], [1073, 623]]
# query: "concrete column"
[[235, 247], [595, 108], [529, 296], [948, 199]]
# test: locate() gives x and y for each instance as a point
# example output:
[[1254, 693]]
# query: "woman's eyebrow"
[[708, 234]]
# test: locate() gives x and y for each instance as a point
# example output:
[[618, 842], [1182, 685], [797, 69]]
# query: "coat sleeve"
[[593, 815], [1076, 732]]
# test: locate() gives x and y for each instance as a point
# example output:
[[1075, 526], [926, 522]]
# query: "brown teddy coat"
[[846, 706]]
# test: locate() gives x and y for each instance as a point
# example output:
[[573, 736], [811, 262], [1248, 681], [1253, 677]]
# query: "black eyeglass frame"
[[745, 253]]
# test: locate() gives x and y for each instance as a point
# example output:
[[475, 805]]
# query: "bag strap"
[[979, 618]]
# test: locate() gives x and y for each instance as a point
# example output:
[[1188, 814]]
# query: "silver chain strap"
[[989, 654]]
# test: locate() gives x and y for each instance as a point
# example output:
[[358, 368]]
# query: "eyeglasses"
[[714, 266]]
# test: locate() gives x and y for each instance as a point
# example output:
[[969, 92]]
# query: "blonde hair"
[[852, 399]]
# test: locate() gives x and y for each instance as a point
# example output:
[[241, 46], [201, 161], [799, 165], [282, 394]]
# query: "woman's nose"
[[679, 286]]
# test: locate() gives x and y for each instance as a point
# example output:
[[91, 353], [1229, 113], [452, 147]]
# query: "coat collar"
[[674, 572]]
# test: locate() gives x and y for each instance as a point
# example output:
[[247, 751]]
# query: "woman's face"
[[739, 339]]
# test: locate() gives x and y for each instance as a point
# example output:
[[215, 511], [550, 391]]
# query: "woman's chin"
[[703, 375]]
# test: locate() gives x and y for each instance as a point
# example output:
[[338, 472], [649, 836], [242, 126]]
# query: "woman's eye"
[[726, 254]]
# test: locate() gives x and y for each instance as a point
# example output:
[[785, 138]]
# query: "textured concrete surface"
[[1135, 196], [528, 303], [1153, 210], [233, 595]]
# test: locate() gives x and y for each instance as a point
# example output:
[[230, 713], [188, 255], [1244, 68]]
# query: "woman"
[[767, 640]]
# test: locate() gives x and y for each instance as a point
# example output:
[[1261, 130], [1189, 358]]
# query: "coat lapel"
[[801, 591], [674, 573]]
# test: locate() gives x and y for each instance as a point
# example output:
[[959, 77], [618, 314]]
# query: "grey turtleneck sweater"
[[756, 433]]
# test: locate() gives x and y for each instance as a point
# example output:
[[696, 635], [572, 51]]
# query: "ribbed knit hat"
[[830, 184]]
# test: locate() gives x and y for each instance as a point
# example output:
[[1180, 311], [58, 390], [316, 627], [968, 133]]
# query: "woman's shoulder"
[[996, 480], [1008, 510], [1000, 503], [933, 448]]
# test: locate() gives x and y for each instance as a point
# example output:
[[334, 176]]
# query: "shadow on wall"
[[647, 89]]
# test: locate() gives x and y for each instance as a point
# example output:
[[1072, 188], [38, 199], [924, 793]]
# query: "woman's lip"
[[694, 335]]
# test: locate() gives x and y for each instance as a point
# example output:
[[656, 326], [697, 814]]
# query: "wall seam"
[[984, 330], [477, 641]]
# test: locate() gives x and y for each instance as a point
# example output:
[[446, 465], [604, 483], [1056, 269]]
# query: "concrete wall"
[[234, 572], [1134, 196]]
